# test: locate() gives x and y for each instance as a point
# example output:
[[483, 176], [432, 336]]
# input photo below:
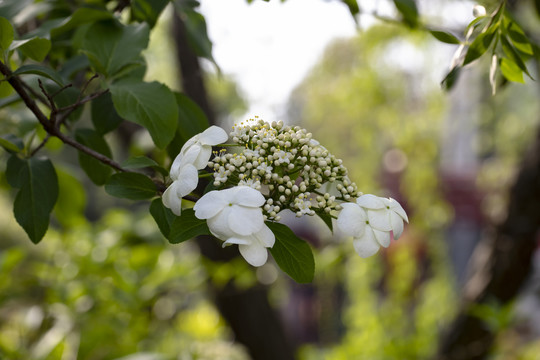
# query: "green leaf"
[[95, 169], [451, 78], [479, 46], [511, 71], [111, 47], [151, 105], [186, 227], [13, 169], [292, 254], [444, 37], [191, 119], [196, 31], [11, 143], [69, 208], [408, 10], [35, 48], [327, 219], [513, 55], [139, 162], [41, 71], [36, 197], [519, 39], [82, 15], [9, 9], [353, 7], [163, 216], [65, 97], [104, 115], [6, 33], [133, 186], [147, 10]]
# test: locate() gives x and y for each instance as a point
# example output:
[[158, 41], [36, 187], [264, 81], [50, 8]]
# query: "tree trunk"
[[254, 322], [500, 265]]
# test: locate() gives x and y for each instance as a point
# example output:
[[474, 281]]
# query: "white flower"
[[185, 183], [253, 247], [253, 183], [265, 168], [235, 216], [384, 214], [281, 157], [353, 221], [198, 149], [221, 175]]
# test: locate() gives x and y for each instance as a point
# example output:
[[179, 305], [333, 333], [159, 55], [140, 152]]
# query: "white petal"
[[383, 237], [188, 178], [171, 199], [213, 135], [247, 196], [255, 254], [209, 205], [397, 225], [237, 240], [191, 154], [219, 225], [266, 237], [352, 220], [202, 157], [190, 143], [366, 245], [244, 220], [369, 201], [379, 219], [396, 207]]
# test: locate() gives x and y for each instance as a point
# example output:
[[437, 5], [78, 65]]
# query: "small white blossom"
[[186, 182]]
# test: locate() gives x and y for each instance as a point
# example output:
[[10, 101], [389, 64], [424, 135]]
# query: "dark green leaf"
[[151, 105], [147, 10], [74, 65], [451, 78], [104, 115], [69, 209], [292, 254], [327, 219], [41, 71], [139, 162], [163, 216], [444, 37], [479, 46], [36, 197], [196, 32], [111, 47], [186, 227], [133, 186], [81, 16], [537, 7], [191, 118], [95, 169], [65, 97], [519, 39], [511, 71], [8, 9], [11, 143], [35, 48], [353, 7], [513, 55], [13, 169], [408, 10], [6, 33]]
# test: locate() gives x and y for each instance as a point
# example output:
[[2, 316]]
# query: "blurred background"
[[106, 285]]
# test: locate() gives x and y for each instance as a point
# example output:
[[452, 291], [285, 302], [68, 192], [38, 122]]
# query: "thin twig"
[[36, 94], [42, 144], [86, 86]]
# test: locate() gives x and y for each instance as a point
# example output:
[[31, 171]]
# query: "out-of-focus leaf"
[[11, 143], [451, 78], [147, 10], [191, 118], [9, 9], [196, 31], [292, 254], [65, 97], [479, 46], [133, 186], [95, 169], [511, 71], [444, 37], [104, 115], [69, 208], [327, 219], [81, 16], [36, 197], [519, 39], [6, 33], [408, 11], [353, 7], [151, 105], [513, 55], [163, 216], [73, 65], [41, 71], [186, 227], [111, 46], [13, 169], [35, 48]]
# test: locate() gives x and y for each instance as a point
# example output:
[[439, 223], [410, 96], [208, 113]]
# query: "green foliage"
[[292, 254], [133, 186], [104, 116], [41, 71], [96, 170], [6, 34], [185, 227], [163, 216], [409, 11]]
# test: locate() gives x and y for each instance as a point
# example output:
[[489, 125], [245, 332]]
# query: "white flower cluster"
[[276, 167]]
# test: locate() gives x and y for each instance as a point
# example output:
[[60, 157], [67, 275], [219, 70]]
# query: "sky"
[[269, 47]]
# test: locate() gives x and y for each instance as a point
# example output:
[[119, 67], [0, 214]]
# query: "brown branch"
[[41, 145]]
